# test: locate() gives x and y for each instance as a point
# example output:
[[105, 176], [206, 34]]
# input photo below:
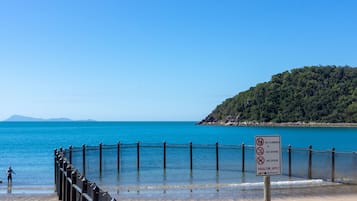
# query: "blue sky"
[[159, 60]]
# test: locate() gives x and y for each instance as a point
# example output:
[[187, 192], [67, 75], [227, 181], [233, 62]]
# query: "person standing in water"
[[9, 174]]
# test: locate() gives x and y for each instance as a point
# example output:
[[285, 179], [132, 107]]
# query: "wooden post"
[[164, 155], [289, 155], [191, 165], [243, 157], [74, 181], [84, 160], [217, 159], [267, 192], [118, 157], [310, 163], [70, 154], [138, 155], [100, 157], [333, 165]]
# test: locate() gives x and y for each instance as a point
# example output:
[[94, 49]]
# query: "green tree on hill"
[[323, 94]]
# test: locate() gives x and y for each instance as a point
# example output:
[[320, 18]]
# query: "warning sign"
[[268, 155]]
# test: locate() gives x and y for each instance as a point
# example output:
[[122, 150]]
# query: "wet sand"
[[351, 197], [329, 193], [29, 197]]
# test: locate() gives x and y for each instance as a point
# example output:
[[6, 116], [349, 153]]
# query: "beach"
[[53, 197], [329, 193], [29, 197]]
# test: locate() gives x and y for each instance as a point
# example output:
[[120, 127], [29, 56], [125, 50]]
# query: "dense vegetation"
[[324, 94]]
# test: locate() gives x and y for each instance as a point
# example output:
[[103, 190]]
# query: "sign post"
[[268, 160]]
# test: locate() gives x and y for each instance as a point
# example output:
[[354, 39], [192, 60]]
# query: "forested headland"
[[312, 94]]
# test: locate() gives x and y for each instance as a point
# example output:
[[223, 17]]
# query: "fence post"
[[68, 183], [84, 188], [217, 159], [74, 181], [118, 157], [70, 154], [64, 181], [55, 169], [138, 155], [60, 179], [243, 157], [310, 163], [95, 191], [100, 157], [164, 155], [84, 160], [191, 156], [289, 155], [333, 165]]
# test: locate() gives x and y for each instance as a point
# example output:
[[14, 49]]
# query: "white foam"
[[246, 186]]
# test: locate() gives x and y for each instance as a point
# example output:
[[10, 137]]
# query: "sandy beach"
[[29, 197], [53, 197]]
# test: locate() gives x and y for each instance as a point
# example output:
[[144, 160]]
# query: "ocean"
[[28, 147]]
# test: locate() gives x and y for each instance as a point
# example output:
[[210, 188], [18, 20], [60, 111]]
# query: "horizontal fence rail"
[[118, 159]]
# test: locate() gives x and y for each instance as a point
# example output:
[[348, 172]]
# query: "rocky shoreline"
[[273, 124]]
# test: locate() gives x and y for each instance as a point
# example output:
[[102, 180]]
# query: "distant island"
[[308, 96], [20, 118]]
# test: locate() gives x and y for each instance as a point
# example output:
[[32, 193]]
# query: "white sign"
[[268, 155]]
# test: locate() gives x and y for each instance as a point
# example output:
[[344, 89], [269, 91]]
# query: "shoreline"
[[330, 193], [273, 124]]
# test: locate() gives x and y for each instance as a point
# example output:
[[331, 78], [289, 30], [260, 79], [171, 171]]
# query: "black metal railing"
[[97, 161], [70, 185]]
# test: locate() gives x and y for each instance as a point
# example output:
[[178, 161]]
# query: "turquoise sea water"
[[28, 146]]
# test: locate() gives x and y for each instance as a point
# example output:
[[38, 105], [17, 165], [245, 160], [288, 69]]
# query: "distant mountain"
[[321, 94], [25, 118]]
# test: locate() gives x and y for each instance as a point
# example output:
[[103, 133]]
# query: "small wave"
[[245, 186]]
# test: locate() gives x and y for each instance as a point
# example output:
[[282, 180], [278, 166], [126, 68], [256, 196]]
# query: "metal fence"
[[95, 162], [307, 163], [70, 185]]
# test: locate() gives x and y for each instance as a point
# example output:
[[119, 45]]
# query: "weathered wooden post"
[[84, 160], [138, 155], [118, 156], [217, 159], [164, 155], [100, 157], [191, 165], [243, 157], [70, 154], [289, 159], [310, 163], [333, 165], [74, 182]]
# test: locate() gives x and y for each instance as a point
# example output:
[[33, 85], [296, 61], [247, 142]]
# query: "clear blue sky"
[[159, 60]]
